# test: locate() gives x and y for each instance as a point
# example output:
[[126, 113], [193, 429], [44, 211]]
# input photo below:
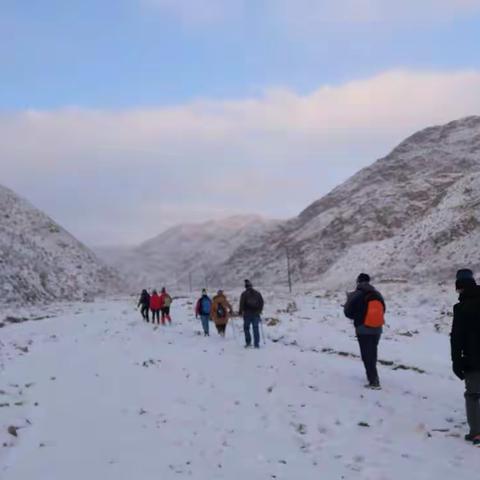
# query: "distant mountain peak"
[[415, 212]]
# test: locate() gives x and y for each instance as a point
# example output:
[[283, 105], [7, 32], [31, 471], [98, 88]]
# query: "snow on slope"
[[40, 261], [127, 401], [190, 249], [445, 239], [415, 209]]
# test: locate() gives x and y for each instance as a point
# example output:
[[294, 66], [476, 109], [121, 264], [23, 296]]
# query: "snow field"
[[102, 395]]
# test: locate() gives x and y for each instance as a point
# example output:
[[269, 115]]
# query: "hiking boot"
[[469, 437], [476, 440], [373, 386]]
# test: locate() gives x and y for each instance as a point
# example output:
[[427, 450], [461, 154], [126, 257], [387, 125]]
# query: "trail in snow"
[[96, 393]]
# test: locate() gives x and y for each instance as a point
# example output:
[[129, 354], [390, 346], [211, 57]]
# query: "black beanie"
[[363, 278], [464, 279], [248, 284]]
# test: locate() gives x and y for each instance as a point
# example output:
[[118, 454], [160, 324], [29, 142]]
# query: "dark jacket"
[[251, 302], [357, 304], [144, 299], [465, 336]]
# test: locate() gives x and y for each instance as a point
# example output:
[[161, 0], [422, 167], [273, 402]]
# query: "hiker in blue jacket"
[[203, 310]]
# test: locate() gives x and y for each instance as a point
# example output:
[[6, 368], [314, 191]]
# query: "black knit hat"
[[464, 279], [363, 278], [248, 284]]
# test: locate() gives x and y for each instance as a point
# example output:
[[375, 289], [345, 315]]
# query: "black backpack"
[[253, 300], [221, 312]]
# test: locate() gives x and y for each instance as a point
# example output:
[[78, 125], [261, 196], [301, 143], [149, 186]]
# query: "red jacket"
[[155, 302]]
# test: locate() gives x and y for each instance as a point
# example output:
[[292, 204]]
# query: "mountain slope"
[[40, 261], [190, 252], [412, 211]]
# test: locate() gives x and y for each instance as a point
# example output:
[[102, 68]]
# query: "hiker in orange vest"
[[366, 307]]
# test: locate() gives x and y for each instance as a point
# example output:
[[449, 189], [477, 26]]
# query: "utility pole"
[[288, 270]]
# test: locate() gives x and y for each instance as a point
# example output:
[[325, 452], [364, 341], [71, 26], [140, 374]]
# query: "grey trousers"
[[472, 401]]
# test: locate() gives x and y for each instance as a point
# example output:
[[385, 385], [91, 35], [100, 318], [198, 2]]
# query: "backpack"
[[375, 316], [167, 301], [253, 301], [221, 312], [205, 306]]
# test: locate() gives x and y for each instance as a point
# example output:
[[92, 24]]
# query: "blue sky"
[[130, 105], [130, 53]]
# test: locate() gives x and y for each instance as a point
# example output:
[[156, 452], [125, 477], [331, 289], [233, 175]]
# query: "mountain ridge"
[[40, 261]]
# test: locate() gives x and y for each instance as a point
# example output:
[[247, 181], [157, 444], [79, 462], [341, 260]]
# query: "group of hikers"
[[155, 303], [219, 310], [366, 307]]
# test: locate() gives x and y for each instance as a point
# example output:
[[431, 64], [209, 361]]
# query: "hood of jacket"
[[469, 294]]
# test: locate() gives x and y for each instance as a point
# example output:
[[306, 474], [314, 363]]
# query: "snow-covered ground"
[[95, 393]]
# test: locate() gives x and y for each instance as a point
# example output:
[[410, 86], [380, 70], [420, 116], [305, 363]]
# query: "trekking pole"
[[233, 328], [263, 333]]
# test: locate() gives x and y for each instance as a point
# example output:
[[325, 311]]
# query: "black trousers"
[[144, 311], [156, 314], [368, 350], [221, 328]]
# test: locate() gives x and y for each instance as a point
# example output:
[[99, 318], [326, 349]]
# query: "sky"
[[122, 118]]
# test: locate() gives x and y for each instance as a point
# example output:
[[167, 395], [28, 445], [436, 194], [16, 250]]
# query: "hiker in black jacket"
[[465, 347], [144, 302], [251, 307], [368, 332]]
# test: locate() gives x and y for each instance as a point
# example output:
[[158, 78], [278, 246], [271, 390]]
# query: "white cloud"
[[96, 170]]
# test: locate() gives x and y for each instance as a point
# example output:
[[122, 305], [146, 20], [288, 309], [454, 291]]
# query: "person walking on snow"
[[203, 309], [165, 303], [251, 307], [366, 307], [155, 306], [465, 347], [144, 302], [221, 311]]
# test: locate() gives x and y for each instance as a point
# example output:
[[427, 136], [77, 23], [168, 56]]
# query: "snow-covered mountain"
[[40, 261], [414, 213], [186, 253]]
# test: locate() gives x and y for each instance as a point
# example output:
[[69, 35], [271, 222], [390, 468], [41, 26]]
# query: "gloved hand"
[[457, 368]]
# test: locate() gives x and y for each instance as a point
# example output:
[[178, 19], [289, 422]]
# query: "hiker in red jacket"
[[155, 306], [165, 302]]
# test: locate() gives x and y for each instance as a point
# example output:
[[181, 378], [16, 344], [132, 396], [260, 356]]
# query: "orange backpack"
[[375, 316]]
